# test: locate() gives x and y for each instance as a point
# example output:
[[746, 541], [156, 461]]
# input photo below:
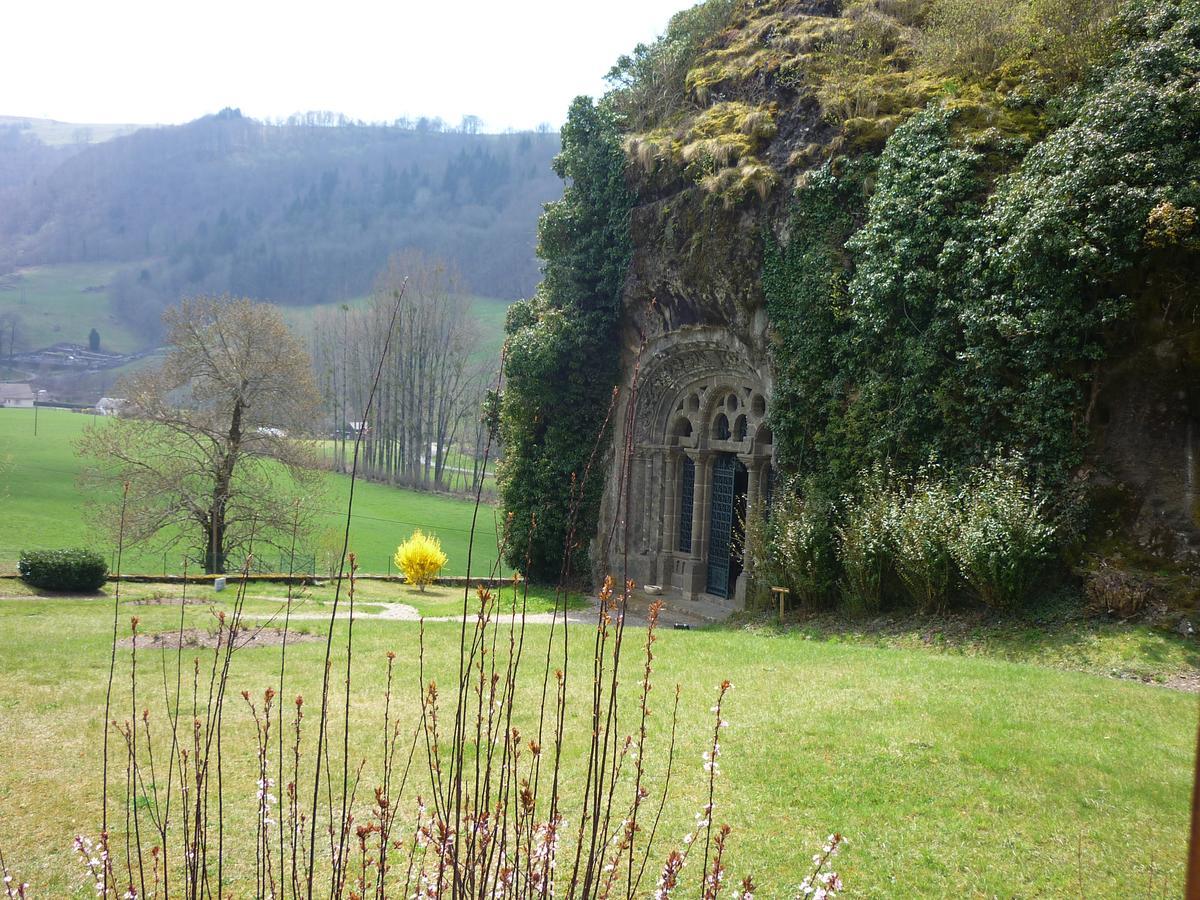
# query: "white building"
[[16, 395]]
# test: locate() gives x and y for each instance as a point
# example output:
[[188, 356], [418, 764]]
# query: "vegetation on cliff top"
[[703, 103], [954, 320]]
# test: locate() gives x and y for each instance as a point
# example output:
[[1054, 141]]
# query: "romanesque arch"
[[701, 461]]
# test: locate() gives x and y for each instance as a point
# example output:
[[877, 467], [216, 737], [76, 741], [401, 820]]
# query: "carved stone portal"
[[700, 466]]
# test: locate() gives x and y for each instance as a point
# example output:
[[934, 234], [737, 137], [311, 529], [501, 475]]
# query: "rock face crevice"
[[1146, 449]]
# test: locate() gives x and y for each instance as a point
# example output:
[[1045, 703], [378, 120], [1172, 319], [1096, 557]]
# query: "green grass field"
[[951, 776], [45, 508], [64, 303]]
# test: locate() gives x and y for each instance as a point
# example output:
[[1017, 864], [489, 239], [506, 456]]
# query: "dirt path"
[[403, 612]]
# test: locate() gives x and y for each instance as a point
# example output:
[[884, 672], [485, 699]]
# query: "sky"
[[514, 64]]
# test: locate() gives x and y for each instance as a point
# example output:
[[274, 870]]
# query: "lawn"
[[950, 775], [45, 508]]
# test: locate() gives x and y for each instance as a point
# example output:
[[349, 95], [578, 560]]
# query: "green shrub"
[[801, 553], [866, 538], [1005, 538], [928, 521], [63, 570]]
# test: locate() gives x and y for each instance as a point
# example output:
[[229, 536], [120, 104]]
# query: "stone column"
[[703, 497], [668, 535], [754, 466], [652, 487]]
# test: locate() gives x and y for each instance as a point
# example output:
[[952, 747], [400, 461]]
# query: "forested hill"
[[297, 213]]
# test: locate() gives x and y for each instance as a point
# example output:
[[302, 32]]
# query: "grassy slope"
[[55, 305], [951, 776], [43, 506], [52, 132]]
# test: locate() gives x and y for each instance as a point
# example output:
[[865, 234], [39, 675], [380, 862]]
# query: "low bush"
[[866, 537], [420, 558], [63, 570], [926, 524], [802, 551], [1005, 538]]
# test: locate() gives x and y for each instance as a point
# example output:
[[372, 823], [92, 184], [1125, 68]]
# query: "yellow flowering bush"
[[420, 558]]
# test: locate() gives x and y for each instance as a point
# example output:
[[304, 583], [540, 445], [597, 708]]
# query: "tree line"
[[424, 429]]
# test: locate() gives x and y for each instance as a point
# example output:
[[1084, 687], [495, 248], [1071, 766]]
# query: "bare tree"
[[12, 333], [209, 442], [432, 379]]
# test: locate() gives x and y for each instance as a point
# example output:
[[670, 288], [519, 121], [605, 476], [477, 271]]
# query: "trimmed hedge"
[[63, 570]]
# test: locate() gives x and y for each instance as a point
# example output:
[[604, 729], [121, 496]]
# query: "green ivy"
[[936, 313], [560, 367], [806, 285], [1048, 280]]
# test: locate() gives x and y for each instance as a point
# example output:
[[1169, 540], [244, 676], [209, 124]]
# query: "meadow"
[[46, 508], [64, 303], [951, 776]]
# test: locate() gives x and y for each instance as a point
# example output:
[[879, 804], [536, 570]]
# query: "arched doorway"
[[700, 468]]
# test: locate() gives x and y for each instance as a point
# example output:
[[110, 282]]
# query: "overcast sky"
[[514, 64]]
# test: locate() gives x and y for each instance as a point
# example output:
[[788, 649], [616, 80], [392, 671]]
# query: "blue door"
[[720, 527]]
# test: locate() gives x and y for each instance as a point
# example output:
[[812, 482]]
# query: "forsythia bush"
[[420, 558], [800, 547], [1006, 537], [867, 538]]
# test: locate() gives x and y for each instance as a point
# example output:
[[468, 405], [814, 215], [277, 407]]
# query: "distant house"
[[110, 406], [16, 395]]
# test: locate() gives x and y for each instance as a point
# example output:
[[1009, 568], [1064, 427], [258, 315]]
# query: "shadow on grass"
[[1057, 634], [14, 587]]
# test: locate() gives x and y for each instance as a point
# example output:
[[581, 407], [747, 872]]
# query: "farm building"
[[16, 395]]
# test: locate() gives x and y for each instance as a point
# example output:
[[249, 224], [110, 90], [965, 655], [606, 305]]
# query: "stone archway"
[[701, 459]]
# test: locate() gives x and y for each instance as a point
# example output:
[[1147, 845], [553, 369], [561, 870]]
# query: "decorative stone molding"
[[702, 393]]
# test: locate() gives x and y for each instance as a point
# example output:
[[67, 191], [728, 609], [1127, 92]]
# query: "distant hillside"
[[55, 133], [298, 213]]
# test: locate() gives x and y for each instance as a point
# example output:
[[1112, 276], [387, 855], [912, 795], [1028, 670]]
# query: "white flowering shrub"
[[801, 553], [927, 522], [866, 539], [1005, 537]]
